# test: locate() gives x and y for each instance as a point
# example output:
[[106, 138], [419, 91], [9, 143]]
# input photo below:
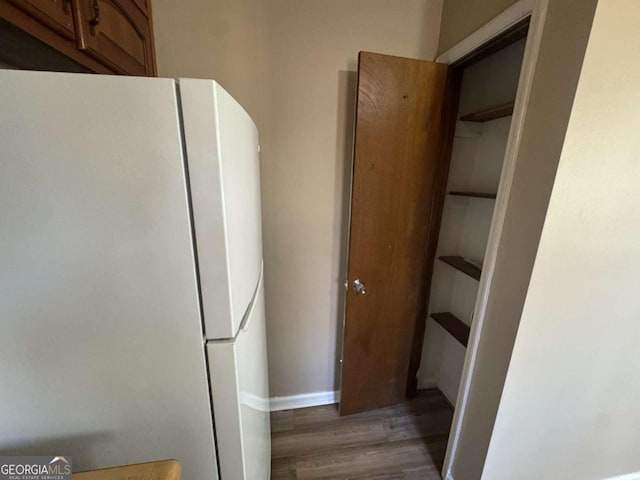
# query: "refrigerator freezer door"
[[222, 154], [102, 355], [240, 392]]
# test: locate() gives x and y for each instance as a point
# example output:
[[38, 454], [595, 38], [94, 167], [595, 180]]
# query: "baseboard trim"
[[304, 400]]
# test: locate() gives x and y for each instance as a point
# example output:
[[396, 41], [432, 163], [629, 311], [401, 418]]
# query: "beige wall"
[[460, 18], [565, 34], [291, 63], [570, 403], [221, 39]]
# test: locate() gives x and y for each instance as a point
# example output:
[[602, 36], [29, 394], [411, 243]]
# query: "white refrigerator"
[[132, 320]]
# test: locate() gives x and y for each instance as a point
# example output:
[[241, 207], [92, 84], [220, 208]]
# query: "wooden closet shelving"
[[462, 265], [491, 113], [452, 324], [474, 194]]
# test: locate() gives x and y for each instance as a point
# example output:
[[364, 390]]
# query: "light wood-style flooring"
[[402, 442]]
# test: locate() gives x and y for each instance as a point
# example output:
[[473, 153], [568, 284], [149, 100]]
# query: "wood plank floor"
[[402, 442]]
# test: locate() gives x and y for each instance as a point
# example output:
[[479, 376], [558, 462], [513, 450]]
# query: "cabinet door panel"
[[117, 33], [56, 14], [143, 4]]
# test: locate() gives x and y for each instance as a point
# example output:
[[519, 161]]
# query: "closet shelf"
[[473, 194], [453, 325], [490, 113], [463, 265]]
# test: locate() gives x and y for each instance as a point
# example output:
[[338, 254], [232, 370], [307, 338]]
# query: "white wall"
[[292, 64], [569, 408]]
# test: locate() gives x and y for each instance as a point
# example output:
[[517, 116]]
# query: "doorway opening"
[[487, 87], [474, 113]]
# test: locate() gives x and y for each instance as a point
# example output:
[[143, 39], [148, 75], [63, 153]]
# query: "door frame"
[[536, 11]]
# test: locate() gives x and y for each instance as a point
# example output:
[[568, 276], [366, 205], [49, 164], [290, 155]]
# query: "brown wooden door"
[[118, 33], [55, 14], [396, 156]]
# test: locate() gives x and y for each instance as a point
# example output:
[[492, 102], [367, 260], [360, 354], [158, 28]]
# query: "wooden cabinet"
[[104, 36], [117, 33], [144, 5], [55, 14]]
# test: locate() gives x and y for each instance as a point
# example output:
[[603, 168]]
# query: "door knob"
[[359, 287]]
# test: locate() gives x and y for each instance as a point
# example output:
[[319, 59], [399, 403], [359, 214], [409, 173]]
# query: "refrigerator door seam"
[[185, 166], [244, 324]]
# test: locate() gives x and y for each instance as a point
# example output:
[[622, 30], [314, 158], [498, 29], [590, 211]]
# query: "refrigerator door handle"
[[246, 320]]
